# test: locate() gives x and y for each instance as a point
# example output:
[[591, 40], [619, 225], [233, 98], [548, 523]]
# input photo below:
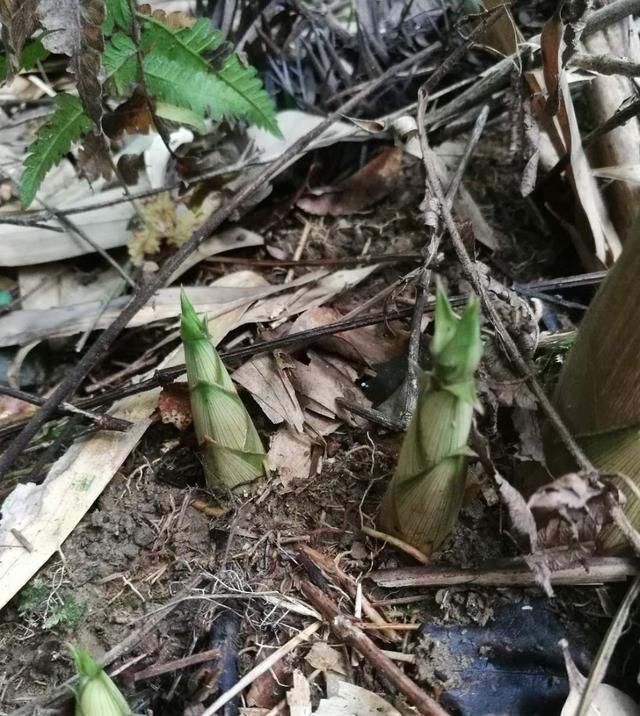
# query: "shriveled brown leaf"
[[370, 184], [133, 116], [19, 21], [569, 492], [94, 158], [74, 28], [174, 405], [320, 382], [520, 513], [267, 378], [370, 345], [291, 456]]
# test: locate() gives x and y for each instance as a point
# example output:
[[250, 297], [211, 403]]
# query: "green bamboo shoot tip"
[[96, 693], [425, 494], [231, 447]]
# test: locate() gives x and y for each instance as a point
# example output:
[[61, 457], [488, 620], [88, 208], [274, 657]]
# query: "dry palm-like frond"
[[231, 447], [423, 499]]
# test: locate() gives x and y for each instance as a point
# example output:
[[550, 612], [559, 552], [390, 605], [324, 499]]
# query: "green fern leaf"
[[177, 72], [120, 62], [53, 141], [118, 15]]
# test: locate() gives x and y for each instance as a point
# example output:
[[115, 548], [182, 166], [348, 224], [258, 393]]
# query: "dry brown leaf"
[[370, 345], [269, 688], [12, 409], [94, 158], [569, 492], [19, 21], [353, 700], [320, 382], [291, 456], [370, 184], [267, 378], [74, 28], [550, 42], [133, 116], [520, 513], [174, 405]]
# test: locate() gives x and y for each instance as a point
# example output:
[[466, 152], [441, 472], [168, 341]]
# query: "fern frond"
[[52, 142], [118, 15], [176, 70], [32, 52], [120, 62]]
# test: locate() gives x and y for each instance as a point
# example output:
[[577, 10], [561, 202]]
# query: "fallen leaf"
[[353, 700], [266, 377], [370, 345], [12, 410], [369, 185], [94, 158], [319, 383], [73, 28], [520, 513], [132, 116], [291, 456], [174, 405]]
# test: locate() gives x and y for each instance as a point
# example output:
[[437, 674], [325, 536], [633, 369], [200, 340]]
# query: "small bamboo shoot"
[[231, 447], [425, 494]]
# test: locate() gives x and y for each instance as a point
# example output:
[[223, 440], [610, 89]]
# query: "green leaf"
[[118, 16], [120, 62], [176, 72], [32, 53], [52, 142], [180, 115]]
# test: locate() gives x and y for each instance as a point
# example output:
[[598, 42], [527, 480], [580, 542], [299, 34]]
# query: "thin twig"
[[605, 652], [356, 638], [100, 348], [106, 422], [606, 64]]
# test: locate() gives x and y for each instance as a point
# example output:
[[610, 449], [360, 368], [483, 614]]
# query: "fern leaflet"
[[176, 71], [118, 15], [120, 62], [52, 142]]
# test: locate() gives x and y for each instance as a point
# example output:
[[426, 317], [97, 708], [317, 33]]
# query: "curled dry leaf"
[[370, 184], [569, 492], [94, 158], [352, 699], [174, 406], [520, 513], [19, 20]]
